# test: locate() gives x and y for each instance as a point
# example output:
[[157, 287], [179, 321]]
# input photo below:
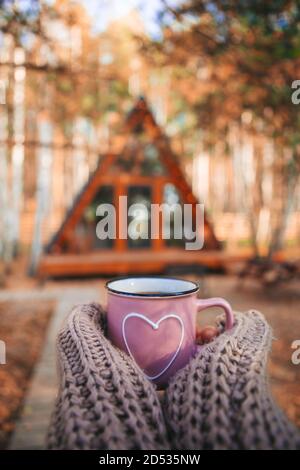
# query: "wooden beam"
[[121, 215], [157, 198], [126, 261]]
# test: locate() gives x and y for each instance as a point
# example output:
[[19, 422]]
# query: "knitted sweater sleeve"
[[222, 399], [104, 402]]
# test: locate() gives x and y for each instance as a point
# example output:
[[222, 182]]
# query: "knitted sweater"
[[220, 400]]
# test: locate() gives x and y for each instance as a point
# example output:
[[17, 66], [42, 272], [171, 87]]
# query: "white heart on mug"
[[155, 326]]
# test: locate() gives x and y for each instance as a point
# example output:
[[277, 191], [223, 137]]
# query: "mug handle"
[[202, 304]]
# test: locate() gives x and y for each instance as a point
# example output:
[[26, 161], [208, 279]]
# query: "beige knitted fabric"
[[103, 401], [219, 400]]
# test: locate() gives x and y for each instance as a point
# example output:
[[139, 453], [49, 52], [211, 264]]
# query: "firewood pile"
[[270, 273]]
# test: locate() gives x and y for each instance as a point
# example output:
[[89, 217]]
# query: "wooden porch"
[[136, 261], [143, 261]]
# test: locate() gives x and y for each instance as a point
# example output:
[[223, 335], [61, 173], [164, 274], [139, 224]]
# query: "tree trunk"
[[249, 180], [286, 178], [3, 192], [44, 163], [18, 147], [7, 209]]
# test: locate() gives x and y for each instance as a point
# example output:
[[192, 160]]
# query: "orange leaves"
[[22, 328]]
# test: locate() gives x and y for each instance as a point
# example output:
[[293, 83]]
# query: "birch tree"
[[237, 59], [43, 192]]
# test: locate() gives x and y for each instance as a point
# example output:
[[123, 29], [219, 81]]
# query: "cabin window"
[[139, 157], [85, 231], [152, 164], [139, 222], [172, 198]]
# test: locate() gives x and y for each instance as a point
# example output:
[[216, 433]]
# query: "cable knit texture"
[[220, 400]]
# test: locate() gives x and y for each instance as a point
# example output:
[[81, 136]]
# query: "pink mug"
[[153, 319]]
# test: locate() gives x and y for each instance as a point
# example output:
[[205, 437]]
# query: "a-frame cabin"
[[146, 171]]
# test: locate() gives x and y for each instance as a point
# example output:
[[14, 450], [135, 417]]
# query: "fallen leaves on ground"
[[22, 327]]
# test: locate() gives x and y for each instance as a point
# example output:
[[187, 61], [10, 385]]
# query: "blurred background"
[[217, 77]]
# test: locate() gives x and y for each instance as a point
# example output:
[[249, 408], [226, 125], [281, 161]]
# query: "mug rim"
[[159, 295]]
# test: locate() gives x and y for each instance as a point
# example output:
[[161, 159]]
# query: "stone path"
[[31, 429]]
